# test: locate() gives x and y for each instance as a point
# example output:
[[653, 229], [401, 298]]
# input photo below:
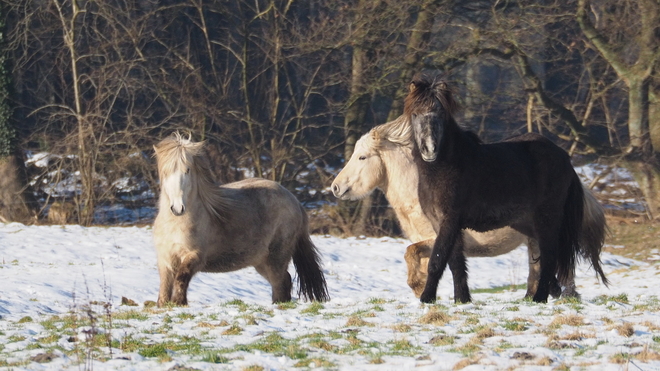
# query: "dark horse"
[[526, 182]]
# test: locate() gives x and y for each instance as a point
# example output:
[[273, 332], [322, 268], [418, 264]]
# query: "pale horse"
[[202, 226]]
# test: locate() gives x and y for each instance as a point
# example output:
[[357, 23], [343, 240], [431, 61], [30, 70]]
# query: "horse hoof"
[[428, 299]]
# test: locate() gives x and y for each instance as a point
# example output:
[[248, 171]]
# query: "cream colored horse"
[[203, 227], [383, 159]]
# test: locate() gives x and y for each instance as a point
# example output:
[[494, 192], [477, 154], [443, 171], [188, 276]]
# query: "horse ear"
[[412, 86], [443, 86], [375, 135]]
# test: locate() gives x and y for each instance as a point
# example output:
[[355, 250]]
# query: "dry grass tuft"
[[568, 320], [626, 329], [402, 327], [647, 355], [544, 361], [576, 336], [463, 363], [435, 317], [485, 333], [354, 321]]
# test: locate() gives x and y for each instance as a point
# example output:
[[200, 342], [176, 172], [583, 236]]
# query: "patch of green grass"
[[376, 301], [503, 345], [466, 349], [15, 338], [402, 348], [48, 339], [275, 344], [185, 316], [656, 339], [250, 319], [514, 326], [153, 350], [130, 314], [214, 357], [604, 299], [313, 309], [25, 319], [287, 305], [316, 362], [498, 289], [238, 303]]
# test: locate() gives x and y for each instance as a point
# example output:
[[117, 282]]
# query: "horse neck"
[[400, 186]]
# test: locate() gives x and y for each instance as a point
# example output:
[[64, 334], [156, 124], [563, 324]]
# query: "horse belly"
[[490, 218]]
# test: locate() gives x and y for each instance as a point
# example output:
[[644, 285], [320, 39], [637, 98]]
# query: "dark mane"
[[426, 92]]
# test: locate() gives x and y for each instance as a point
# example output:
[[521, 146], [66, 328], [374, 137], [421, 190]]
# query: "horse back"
[[504, 183], [266, 218]]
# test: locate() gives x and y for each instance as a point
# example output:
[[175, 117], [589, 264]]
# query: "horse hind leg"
[[280, 281], [534, 257], [548, 229]]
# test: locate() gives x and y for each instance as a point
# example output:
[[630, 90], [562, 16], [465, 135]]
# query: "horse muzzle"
[[429, 157], [339, 192], [178, 212]]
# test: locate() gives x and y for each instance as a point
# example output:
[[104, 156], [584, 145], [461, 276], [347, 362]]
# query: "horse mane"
[[426, 91], [176, 151], [397, 131]]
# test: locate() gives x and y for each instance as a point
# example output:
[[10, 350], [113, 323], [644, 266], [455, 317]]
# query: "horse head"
[[429, 105], [363, 172], [176, 168]]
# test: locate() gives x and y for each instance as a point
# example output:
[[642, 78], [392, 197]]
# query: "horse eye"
[[187, 170], [362, 158]]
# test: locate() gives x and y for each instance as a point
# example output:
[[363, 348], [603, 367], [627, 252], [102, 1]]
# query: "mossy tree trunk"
[[15, 205]]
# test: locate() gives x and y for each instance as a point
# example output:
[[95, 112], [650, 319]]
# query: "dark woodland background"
[[282, 89]]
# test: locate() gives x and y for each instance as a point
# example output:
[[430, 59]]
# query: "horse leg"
[[442, 250], [279, 279], [183, 273], [547, 228], [458, 268], [534, 256], [570, 291], [416, 255], [166, 284]]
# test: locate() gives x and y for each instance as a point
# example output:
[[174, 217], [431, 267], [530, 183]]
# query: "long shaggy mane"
[[427, 91]]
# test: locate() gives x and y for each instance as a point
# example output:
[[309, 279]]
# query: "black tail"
[[571, 230], [311, 281], [594, 230]]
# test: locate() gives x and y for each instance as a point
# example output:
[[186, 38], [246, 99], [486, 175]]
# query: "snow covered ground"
[[55, 281]]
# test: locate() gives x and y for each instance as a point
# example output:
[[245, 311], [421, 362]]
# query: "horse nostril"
[[335, 189]]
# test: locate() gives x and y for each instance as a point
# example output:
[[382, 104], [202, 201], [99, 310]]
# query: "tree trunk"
[[16, 205], [419, 38], [647, 175], [638, 114]]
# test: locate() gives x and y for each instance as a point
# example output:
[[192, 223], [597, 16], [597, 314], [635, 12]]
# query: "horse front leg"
[[443, 248], [417, 257], [166, 284], [183, 273], [458, 268]]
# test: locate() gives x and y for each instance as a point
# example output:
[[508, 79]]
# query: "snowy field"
[[61, 308]]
